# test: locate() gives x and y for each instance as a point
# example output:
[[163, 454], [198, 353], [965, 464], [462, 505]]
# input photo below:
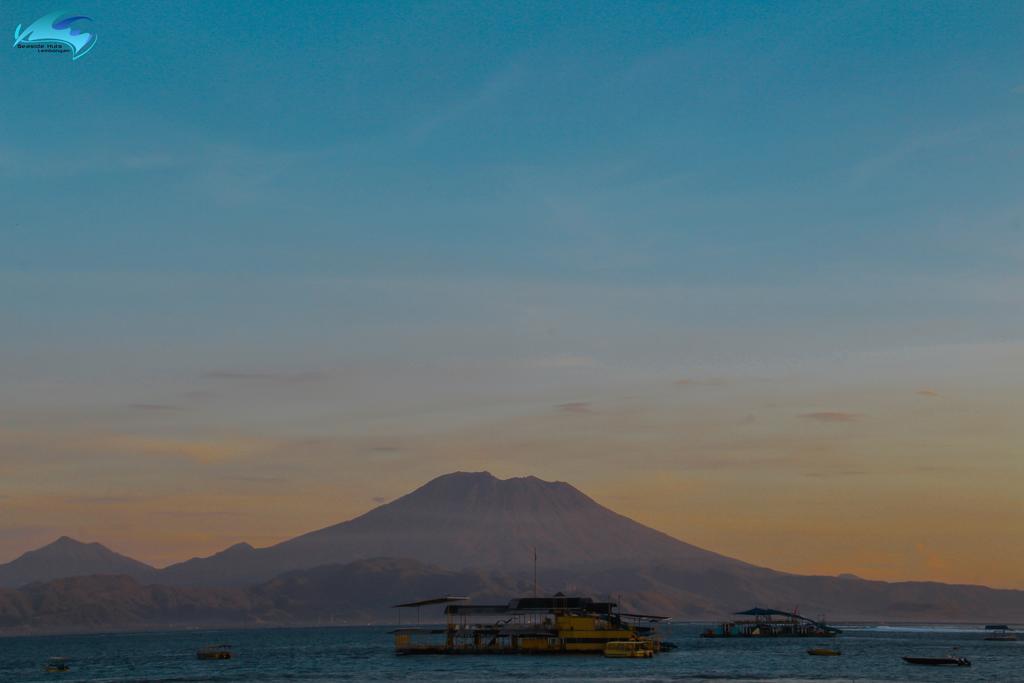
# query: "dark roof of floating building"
[[432, 601], [768, 612], [558, 603]]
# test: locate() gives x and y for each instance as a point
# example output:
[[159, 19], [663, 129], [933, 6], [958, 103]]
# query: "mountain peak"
[[484, 475], [67, 541], [465, 480], [242, 548], [65, 545], [69, 557], [464, 494], [460, 475]]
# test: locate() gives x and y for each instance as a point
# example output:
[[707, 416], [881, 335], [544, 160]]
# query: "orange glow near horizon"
[[908, 484]]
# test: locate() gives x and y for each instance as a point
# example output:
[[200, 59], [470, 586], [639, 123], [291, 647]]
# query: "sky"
[[748, 273]]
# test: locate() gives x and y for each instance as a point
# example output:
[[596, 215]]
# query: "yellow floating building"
[[535, 625]]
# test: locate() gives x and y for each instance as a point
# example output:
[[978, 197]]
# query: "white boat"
[[999, 632]]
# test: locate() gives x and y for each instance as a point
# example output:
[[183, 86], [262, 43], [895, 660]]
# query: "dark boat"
[[57, 665], [938, 661], [214, 652]]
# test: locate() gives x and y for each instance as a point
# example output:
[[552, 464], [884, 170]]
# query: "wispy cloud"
[[153, 406], [835, 473], [199, 450], [564, 361], [488, 93], [691, 382], [197, 394], [145, 162], [102, 500], [832, 416], [575, 407], [927, 392], [275, 377], [231, 175]]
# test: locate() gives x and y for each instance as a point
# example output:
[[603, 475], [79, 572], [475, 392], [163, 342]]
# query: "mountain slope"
[[363, 591], [466, 520], [354, 593], [104, 603], [68, 557]]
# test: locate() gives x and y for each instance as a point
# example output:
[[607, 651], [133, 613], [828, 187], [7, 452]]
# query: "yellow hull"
[[629, 649]]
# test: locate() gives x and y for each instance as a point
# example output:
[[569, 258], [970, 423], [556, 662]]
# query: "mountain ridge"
[[69, 557], [363, 592]]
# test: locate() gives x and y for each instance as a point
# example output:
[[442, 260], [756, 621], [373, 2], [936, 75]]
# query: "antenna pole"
[[534, 571]]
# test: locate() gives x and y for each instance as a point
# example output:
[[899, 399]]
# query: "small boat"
[[57, 665], [824, 652], [950, 660], [214, 652], [999, 632], [628, 649]]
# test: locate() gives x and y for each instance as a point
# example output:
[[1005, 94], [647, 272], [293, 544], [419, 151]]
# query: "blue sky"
[[216, 162], [433, 215], [704, 141]]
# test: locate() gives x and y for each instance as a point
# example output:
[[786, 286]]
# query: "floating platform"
[[557, 625], [771, 623]]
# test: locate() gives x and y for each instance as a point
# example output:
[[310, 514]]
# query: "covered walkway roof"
[[432, 601], [768, 612]]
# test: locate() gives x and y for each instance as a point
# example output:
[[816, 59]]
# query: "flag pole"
[[534, 571]]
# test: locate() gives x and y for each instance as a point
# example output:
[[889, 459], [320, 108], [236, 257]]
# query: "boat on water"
[[535, 625], [56, 665], [214, 652], [771, 623], [1000, 632], [824, 652], [949, 660]]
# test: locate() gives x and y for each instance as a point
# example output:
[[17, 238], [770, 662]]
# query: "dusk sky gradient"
[[748, 273]]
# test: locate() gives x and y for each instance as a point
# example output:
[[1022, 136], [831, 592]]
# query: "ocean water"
[[365, 653]]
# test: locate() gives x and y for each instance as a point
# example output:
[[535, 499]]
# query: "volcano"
[[467, 520]]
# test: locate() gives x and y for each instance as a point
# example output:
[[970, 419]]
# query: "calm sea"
[[357, 654]]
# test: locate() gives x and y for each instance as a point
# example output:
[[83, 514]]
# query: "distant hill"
[[358, 592], [109, 603], [364, 591], [68, 557], [465, 520]]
